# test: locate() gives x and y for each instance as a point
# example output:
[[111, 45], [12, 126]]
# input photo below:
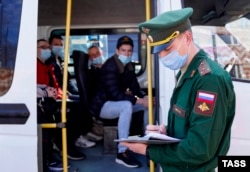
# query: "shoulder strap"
[[204, 68]]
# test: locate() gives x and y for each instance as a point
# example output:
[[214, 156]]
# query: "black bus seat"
[[80, 60]]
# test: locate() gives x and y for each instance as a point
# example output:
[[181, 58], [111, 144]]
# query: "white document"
[[151, 138]]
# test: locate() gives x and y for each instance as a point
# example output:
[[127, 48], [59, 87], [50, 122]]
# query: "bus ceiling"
[[217, 12], [86, 12]]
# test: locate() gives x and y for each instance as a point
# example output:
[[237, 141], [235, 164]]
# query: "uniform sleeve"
[[207, 125]]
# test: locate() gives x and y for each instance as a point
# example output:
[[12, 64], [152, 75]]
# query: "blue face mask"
[[45, 54], [58, 51], [174, 60], [125, 59], [97, 60]]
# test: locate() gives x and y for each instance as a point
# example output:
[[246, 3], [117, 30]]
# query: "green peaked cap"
[[167, 26]]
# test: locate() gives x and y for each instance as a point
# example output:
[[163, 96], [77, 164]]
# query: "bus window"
[[228, 46], [221, 31], [9, 32], [82, 39]]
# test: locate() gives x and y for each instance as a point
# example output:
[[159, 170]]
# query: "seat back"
[[80, 60]]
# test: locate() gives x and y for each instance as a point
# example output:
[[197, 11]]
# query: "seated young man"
[[119, 95], [86, 137]]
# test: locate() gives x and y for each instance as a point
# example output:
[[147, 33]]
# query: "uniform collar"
[[192, 67]]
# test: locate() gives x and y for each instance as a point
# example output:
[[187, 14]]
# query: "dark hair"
[[93, 46], [54, 37], [124, 40], [40, 40]]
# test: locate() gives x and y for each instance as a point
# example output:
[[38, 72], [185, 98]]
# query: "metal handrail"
[[64, 95], [149, 69]]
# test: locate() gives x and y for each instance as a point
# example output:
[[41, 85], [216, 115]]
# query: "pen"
[[158, 127]]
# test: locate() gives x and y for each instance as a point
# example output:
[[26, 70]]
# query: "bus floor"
[[97, 161]]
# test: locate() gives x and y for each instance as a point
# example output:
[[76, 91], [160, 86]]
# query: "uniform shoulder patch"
[[204, 68], [205, 102]]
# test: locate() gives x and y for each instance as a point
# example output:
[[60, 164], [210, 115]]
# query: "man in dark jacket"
[[119, 95], [57, 60]]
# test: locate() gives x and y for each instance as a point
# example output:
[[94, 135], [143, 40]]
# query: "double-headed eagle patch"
[[204, 103]]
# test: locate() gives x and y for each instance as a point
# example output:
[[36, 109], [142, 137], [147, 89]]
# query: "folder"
[[151, 138]]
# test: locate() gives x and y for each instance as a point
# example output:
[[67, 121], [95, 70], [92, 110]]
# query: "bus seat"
[[80, 60]]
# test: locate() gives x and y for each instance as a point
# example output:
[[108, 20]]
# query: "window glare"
[[228, 46]]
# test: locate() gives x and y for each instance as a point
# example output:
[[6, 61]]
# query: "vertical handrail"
[[149, 69], [65, 79]]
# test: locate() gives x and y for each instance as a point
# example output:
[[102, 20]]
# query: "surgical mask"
[[97, 60], [174, 60], [45, 54], [125, 59], [58, 51]]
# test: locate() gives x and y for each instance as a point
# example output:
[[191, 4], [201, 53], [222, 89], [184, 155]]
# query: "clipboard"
[[151, 138], [151, 141]]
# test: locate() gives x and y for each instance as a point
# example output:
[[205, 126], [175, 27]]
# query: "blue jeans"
[[124, 110]]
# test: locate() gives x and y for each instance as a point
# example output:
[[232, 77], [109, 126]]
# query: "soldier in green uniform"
[[202, 106]]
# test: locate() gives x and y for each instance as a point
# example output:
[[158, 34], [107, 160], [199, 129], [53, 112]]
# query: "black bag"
[[46, 108]]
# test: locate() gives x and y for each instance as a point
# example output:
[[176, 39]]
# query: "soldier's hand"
[[156, 129]]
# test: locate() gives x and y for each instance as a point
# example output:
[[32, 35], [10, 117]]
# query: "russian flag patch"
[[204, 103]]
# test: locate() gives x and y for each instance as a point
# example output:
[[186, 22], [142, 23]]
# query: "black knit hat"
[[124, 40]]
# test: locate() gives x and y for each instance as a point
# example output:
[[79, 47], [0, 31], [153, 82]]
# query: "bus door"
[[18, 123]]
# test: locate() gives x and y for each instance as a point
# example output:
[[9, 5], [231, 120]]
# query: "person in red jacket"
[[45, 72], [46, 76]]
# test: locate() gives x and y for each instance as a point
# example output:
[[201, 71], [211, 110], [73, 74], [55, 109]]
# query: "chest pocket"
[[181, 121]]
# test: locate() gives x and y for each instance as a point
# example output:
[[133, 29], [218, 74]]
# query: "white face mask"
[[174, 60]]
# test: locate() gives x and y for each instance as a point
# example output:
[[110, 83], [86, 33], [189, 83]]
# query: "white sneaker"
[[93, 137], [84, 143]]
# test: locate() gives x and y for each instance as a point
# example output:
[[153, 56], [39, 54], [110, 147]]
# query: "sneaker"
[[55, 147], [93, 137], [127, 159], [75, 154], [56, 166], [84, 143], [97, 121]]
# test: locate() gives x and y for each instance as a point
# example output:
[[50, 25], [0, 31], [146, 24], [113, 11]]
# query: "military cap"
[[124, 40], [161, 30]]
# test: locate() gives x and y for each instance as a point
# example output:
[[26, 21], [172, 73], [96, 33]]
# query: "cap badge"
[[145, 30], [125, 39]]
